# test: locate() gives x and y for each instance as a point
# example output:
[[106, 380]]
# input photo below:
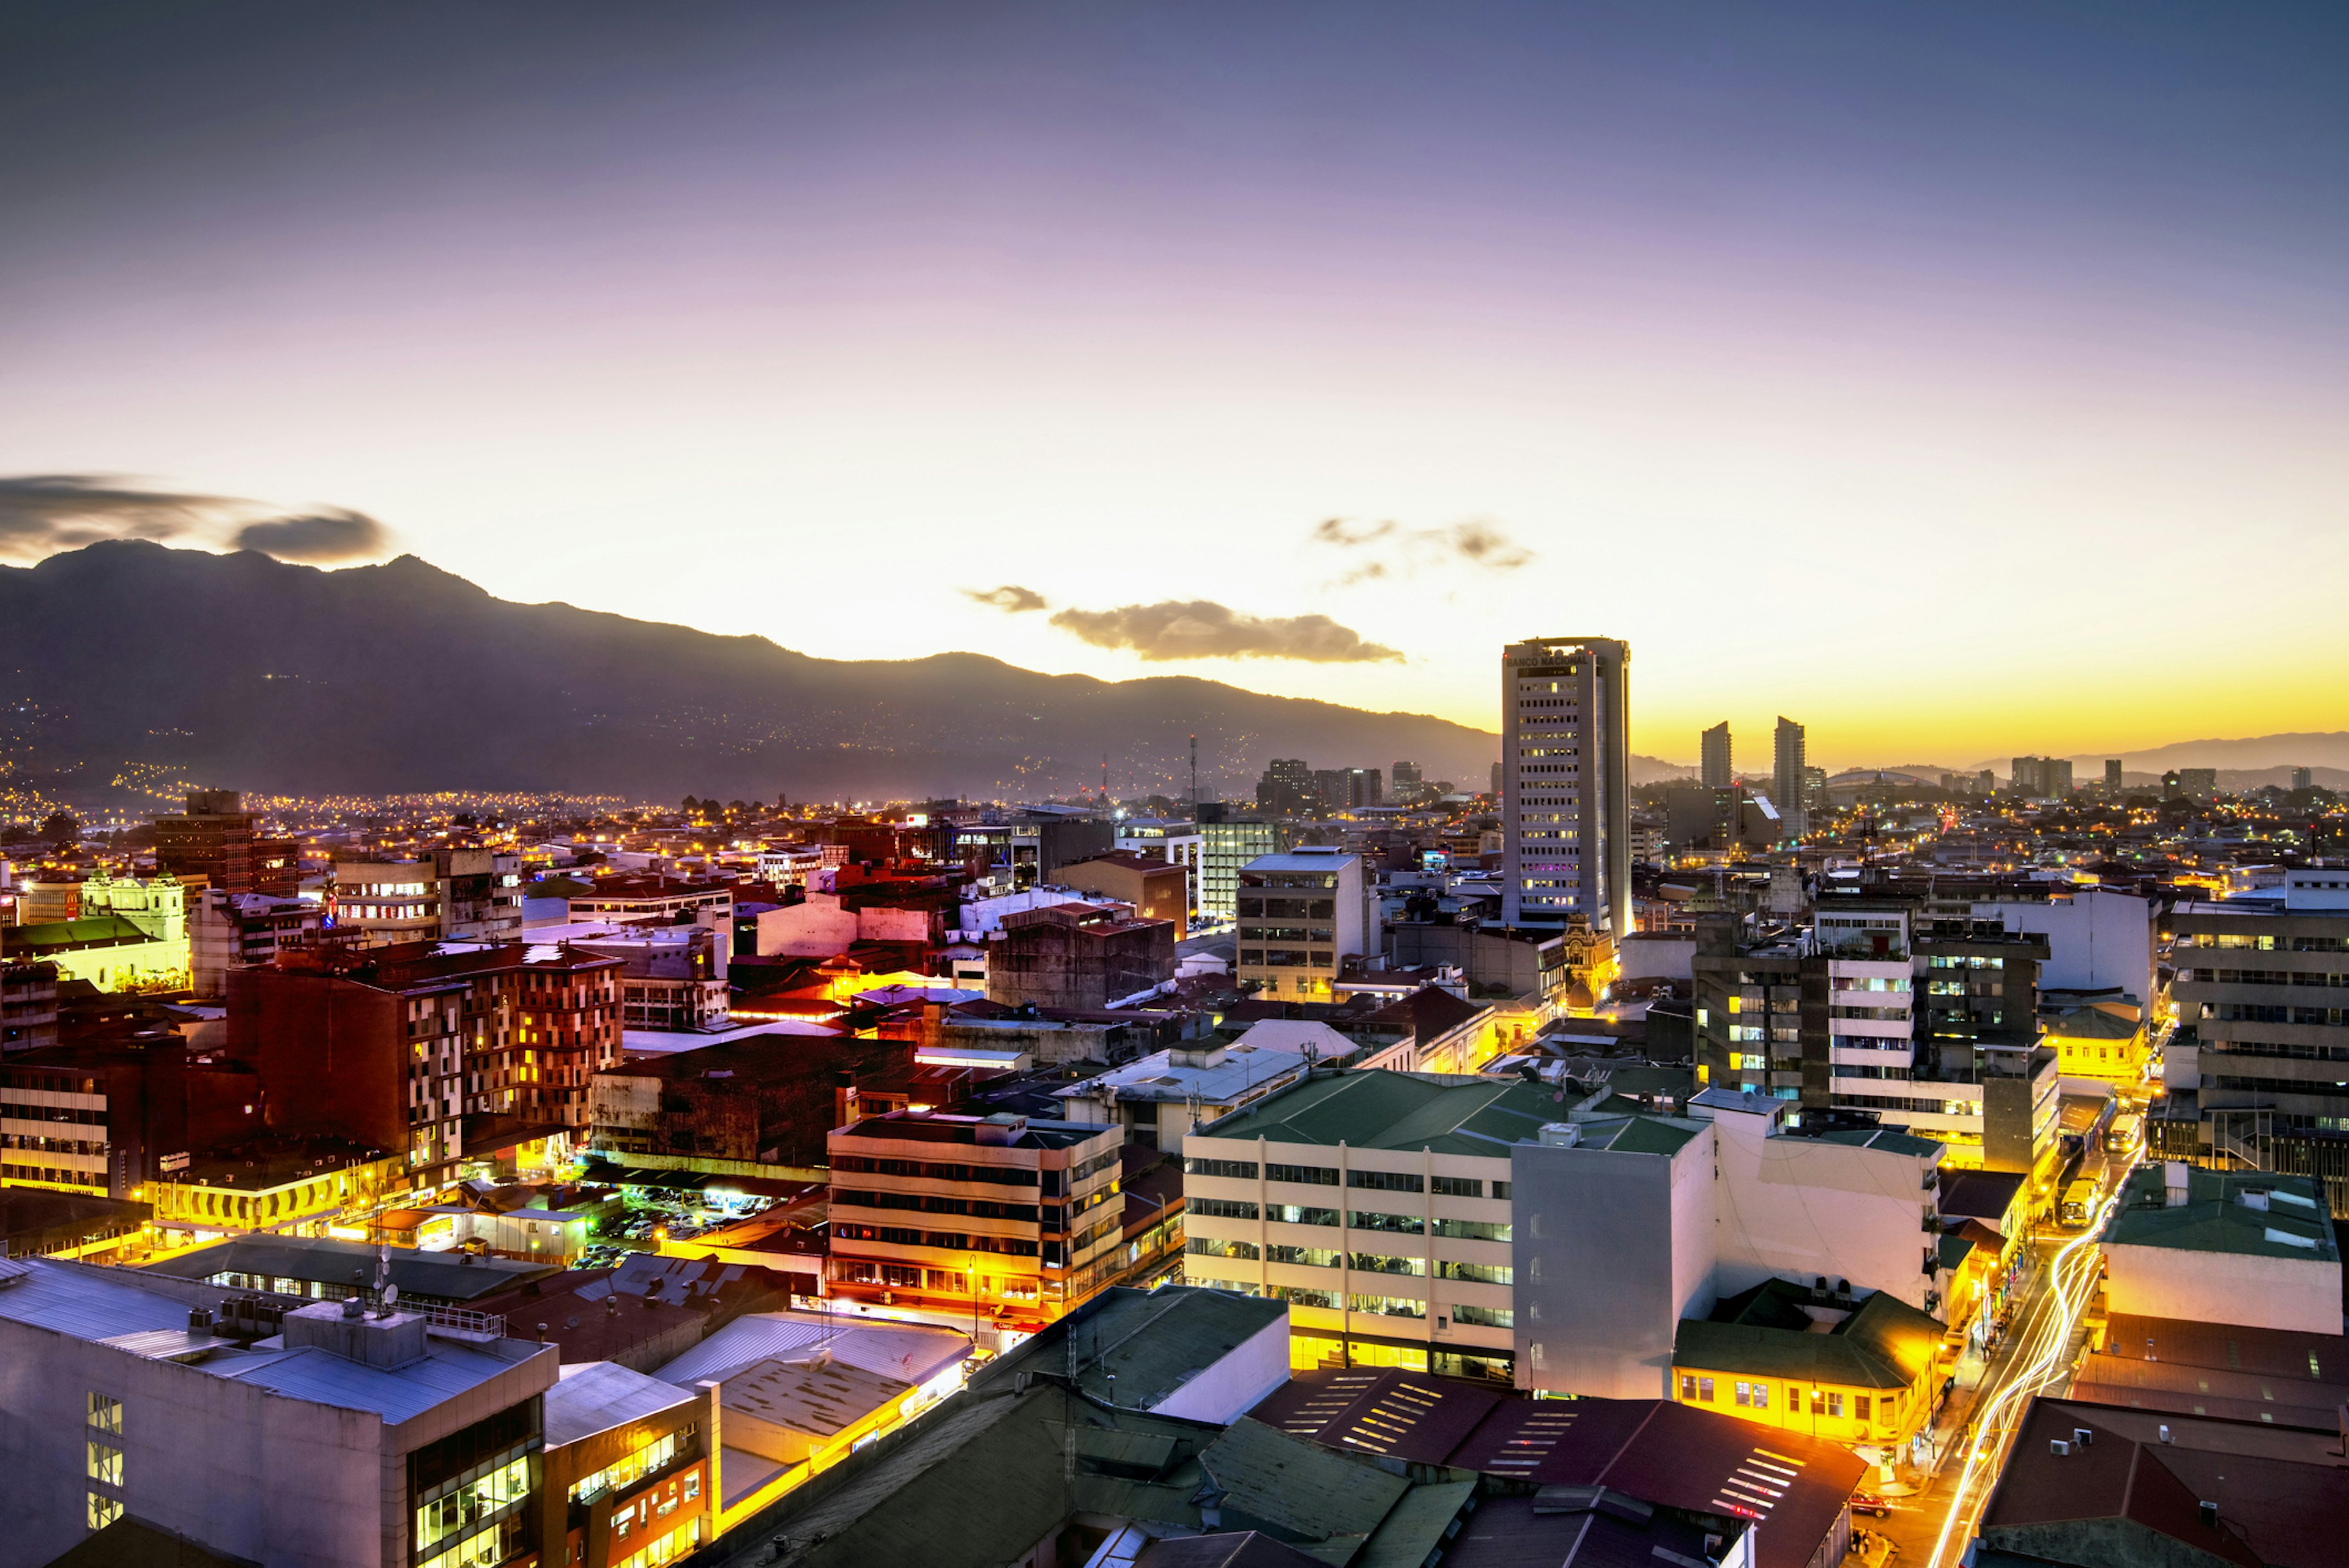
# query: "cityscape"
[[1060, 964]]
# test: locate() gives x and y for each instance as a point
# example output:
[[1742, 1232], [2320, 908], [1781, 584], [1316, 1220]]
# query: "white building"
[[233, 930], [336, 1442], [1565, 784], [1169, 840], [1158, 1098], [2248, 1248]]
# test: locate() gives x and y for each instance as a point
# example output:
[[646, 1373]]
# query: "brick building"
[[1072, 956]]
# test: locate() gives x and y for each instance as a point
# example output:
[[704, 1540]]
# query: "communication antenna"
[[1194, 776]]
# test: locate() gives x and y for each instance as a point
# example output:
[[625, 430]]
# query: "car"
[[1868, 1502]]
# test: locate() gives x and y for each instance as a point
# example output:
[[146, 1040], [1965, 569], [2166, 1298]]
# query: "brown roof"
[[2270, 1510], [1652, 1449], [1431, 1012], [1983, 1195]]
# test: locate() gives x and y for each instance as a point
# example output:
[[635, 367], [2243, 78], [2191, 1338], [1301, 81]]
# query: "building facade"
[[1567, 800], [1301, 916]]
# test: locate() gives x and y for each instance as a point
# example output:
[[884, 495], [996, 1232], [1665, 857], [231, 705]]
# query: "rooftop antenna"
[[1194, 776]]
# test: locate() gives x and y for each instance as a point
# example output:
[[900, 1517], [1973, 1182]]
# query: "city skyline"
[[1391, 334]]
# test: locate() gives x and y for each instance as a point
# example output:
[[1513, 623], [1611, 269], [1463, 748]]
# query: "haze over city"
[[1963, 382]]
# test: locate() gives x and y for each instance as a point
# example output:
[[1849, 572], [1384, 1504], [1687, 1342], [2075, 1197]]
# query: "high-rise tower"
[[1788, 761], [1712, 766], [1566, 772]]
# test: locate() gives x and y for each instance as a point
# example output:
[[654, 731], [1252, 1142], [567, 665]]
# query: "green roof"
[[1152, 1341], [1884, 1343], [1411, 1533], [1876, 1138], [1954, 1249], [2216, 1219], [1308, 1493], [1640, 1135], [1379, 1110], [91, 930]]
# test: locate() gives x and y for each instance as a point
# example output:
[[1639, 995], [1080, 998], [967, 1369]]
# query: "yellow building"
[[1841, 1368], [2099, 1040], [129, 936], [302, 1191]]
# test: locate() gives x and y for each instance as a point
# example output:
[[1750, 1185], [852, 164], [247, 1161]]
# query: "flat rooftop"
[[1382, 1109], [2219, 1216], [1229, 1073]]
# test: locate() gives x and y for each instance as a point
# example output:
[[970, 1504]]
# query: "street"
[[1931, 1527]]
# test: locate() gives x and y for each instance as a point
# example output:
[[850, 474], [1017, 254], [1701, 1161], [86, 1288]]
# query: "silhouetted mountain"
[[151, 664]]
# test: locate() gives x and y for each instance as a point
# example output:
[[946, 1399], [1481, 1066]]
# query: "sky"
[[1960, 380]]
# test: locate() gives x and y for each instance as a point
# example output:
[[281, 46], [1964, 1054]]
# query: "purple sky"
[[1962, 380]]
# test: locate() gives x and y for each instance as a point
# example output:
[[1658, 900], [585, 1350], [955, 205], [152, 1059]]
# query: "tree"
[[60, 828]]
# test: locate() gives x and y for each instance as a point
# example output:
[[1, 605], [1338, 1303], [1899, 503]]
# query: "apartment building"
[[1010, 1216], [28, 1006], [1302, 914], [653, 897], [1178, 842], [365, 1438], [1789, 762], [1566, 782], [395, 1045], [217, 840]]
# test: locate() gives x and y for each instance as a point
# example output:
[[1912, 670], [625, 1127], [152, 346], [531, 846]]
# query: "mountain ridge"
[[406, 677]]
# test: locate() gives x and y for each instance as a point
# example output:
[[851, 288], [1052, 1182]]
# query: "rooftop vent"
[[2209, 1516]]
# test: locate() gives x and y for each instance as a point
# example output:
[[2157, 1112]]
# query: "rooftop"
[[1396, 1111], [1784, 1330], [1152, 1342], [1218, 1076], [910, 1352], [443, 1276], [111, 1306], [2254, 1214], [597, 1396], [1008, 1132]]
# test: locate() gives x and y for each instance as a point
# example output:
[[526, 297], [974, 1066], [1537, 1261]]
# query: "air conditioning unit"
[[2058, 1447]]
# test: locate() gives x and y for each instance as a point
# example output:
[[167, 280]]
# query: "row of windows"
[[1696, 1389], [2231, 941], [974, 1208], [1326, 1176], [1360, 1220], [1002, 1174]]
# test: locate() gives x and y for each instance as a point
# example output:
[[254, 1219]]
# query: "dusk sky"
[[1962, 381]]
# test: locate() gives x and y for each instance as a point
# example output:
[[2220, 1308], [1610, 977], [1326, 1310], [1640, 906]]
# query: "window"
[[106, 1413], [103, 1509], [1385, 1180], [1470, 1230], [1294, 1214], [1299, 1297], [1458, 1186], [1210, 1247], [1387, 1263], [1234, 1169], [1389, 1306], [105, 1462], [1402, 1224], [1304, 1257], [1489, 1317], [1483, 1273], [1220, 1209], [1859, 1407], [1311, 1175]]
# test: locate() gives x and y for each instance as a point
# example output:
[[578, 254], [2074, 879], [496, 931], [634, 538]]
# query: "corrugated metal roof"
[[597, 1396], [912, 1353]]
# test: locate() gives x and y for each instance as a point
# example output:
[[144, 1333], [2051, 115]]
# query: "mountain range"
[[134, 665]]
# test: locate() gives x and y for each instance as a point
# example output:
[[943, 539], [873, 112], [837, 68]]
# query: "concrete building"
[[1567, 784], [672, 977], [472, 894], [1012, 856], [2042, 778], [1002, 1214], [337, 1436], [2205, 1246], [1082, 957], [238, 930], [1286, 788], [1155, 888], [2099, 939], [28, 1006], [1852, 1367], [651, 898], [1301, 916], [1158, 1099], [1789, 761], [1178, 842], [1714, 769]]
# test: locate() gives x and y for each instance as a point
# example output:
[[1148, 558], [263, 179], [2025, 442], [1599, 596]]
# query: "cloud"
[[1010, 598], [1201, 628], [43, 514], [333, 535], [1399, 552]]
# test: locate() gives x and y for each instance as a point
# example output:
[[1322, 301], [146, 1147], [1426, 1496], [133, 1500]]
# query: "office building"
[[1405, 781], [2200, 784], [1566, 746], [1226, 844], [1788, 791], [216, 839], [1715, 770], [2262, 1044], [1286, 788], [1154, 888], [2042, 778], [1302, 914], [2303, 778], [629, 1474], [473, 894], [363, 1437], [1003, 1214], [2113, 774]]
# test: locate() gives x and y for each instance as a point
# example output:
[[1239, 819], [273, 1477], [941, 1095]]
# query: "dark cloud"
[[1391, 550], [1010, 598], [334, 534], [1201, 628], [43, 514]]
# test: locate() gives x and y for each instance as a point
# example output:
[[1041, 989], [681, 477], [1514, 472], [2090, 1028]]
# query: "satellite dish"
[[571, 1323]]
